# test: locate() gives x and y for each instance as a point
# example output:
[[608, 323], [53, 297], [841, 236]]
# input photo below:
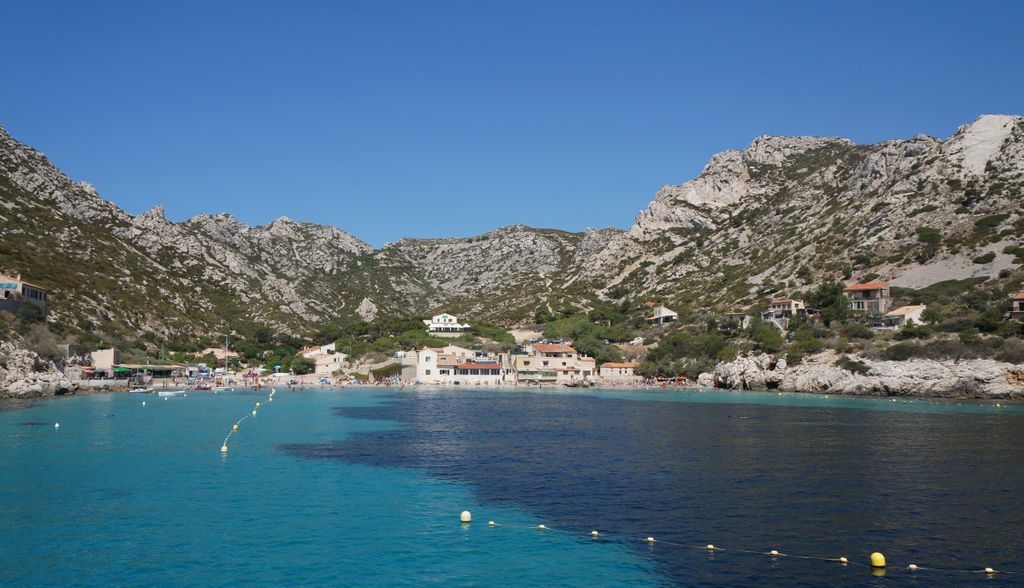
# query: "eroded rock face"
[[24, 375], [978, 378], [367, 310]]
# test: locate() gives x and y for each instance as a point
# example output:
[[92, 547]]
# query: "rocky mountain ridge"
[[782, 214]]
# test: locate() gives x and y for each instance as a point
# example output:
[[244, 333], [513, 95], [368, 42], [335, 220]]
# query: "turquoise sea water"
[[324, 488]]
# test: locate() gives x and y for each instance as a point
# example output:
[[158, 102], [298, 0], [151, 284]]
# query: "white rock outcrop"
[[24, 375], [976, 378]]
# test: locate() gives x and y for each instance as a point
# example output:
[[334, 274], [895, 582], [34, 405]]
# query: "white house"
[[784, 308], [453, 365], [661, 315], [313, 351], [105, 359], [904, 316], [14, 290], [623, 372], [445, 325], [328, 363]]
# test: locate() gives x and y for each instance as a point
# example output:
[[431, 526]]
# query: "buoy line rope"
[[234, 428], [466, 518]]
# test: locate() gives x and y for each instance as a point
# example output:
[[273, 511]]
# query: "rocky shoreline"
[[23, 374], [818, 374]]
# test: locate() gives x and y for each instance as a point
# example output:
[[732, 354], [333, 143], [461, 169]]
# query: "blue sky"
[[450, 118]]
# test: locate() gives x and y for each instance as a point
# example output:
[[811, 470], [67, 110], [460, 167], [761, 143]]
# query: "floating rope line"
[[234, 428], [877, 561]]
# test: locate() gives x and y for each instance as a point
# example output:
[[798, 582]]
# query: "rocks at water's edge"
[[975, 378], [23, 374]]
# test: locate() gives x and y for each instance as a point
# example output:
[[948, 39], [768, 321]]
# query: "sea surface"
[[365, 487]]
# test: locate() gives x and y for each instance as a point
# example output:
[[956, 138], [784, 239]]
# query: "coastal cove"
[[364, 486]]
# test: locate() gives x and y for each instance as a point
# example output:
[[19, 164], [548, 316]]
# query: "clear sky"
[[451, 118]]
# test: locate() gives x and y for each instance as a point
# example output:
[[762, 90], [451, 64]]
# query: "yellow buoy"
[[257, 405], [711, 547], [989, 571], [877, 560], [843, 561], [650, 539], [594, 533], [774, 552], [224, 448], [541, 527], [466, 516], [234, 427], [912, 567], [490, 523]]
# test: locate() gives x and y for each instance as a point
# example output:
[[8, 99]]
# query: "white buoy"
[[143, 403], [650, 539], [254, 413], [184, 395], [224, 448], [541, 527], [56, 425], [466, 516], [594, 533]]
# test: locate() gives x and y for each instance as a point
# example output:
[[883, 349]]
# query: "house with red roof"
[[453, 365], [872, 297]]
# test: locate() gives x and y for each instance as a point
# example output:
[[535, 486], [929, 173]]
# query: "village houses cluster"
[[532, 362], [535, 362], [872, 299]]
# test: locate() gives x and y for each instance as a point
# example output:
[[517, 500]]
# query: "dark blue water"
[[924, 482]]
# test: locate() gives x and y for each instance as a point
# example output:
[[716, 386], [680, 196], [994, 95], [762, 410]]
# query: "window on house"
[[428, 372], [545, 363]]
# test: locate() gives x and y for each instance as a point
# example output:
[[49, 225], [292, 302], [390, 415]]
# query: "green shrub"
[[856, 331], [727, 354], [986, 258], [842, 345], [990, 222], [1012, 351], [852, 365], [766, 337], [301, 365], [900, 352], [928, 235], [806, 342]]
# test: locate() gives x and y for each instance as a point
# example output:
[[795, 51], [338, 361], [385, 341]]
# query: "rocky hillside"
[[788, 212], [782, 214]]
